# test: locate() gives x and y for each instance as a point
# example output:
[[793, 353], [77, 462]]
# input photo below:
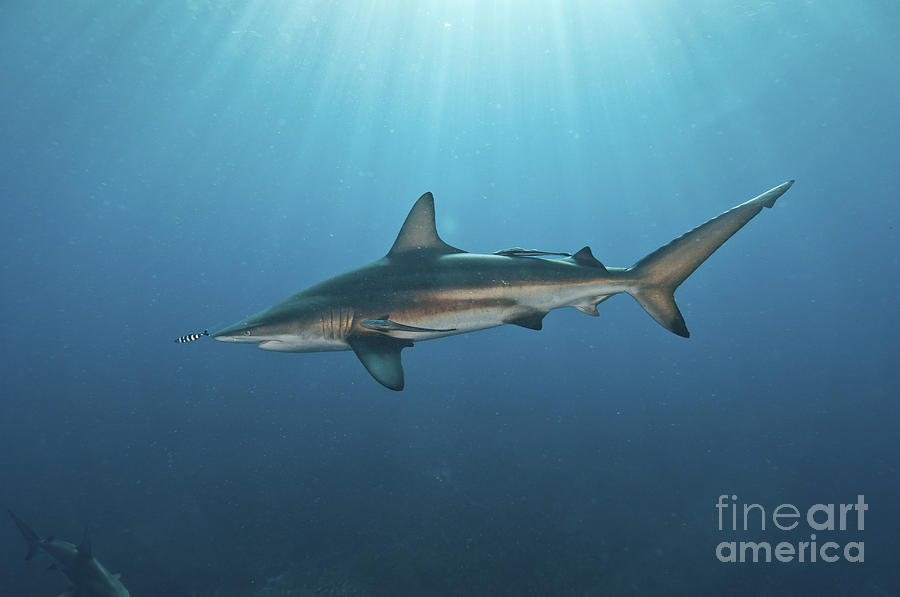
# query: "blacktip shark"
[[87, 577], [425, 289]]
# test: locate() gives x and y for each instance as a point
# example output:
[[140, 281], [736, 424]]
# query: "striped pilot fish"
[[191, 337]]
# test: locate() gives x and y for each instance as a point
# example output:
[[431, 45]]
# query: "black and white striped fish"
[[191, 337]]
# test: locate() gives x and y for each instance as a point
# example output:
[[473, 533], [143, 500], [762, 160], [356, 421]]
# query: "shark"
[[87, 577], [424, 289]]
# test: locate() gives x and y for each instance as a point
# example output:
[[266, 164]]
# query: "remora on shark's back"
[[424, 289]]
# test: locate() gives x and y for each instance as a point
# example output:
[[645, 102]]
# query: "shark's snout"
[[241, 331]]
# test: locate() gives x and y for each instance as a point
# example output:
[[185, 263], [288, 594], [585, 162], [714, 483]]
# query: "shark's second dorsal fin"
[[586, 257], [419, 231]]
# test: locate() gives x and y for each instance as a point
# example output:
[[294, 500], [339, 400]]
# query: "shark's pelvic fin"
[[533, 320], [383, 324], [419, 231], [380, 355], [658, 274]]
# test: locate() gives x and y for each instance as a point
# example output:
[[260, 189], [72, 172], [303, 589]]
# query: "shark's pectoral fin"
[[383, 324], [533, 320], [380, 355], [72, 592]]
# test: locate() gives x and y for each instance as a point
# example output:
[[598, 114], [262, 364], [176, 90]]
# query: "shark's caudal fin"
[[658, 274], [30, 536]]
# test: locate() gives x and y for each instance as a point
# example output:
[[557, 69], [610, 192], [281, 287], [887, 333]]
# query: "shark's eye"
[[246, 332]]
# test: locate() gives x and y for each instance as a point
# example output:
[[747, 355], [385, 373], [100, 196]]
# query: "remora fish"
[[87, 576], [424, 289]]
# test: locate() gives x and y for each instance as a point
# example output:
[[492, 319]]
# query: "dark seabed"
[[170, 166]]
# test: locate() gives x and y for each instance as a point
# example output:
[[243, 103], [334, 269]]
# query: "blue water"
[[169, 166]]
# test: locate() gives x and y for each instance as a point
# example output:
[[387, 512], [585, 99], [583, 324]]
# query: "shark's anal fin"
[[383, 324], [589, 306], [380, 355], [533, 320]]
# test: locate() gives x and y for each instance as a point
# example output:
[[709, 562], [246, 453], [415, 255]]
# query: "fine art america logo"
[[835, 521]]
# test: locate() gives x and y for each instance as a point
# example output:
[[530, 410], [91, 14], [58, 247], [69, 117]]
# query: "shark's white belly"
[[303, 343], [468, 310], [509, 303]]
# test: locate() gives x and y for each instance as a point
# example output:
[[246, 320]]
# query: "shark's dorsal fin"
[[380, 355], [419, 231], [84, 548]]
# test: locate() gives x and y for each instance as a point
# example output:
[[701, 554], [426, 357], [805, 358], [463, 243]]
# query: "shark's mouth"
[[270, 345]]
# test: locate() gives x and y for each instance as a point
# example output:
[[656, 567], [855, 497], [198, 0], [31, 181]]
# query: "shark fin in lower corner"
[[380, 355], [31, 537]]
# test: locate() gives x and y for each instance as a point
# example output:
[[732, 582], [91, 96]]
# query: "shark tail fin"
[[657, 275], [30, 536]]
